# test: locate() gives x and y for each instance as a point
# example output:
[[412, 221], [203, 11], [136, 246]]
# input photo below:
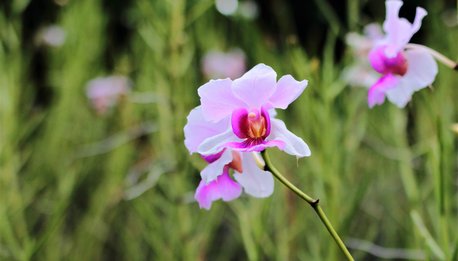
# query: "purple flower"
[[235, 121], [405, 68], [217, 64], [249, 102], [255, 182], [104, 92]]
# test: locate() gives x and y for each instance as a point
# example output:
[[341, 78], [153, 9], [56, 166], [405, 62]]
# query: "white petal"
[[217, 99], [216, 143], [421, 72], [214, 169], [422, 68], [360, 74], [293, 144], [400, 95], [197, 129], [420, 13], [288, 89], [255, 86], [256, 182], [400, 30]]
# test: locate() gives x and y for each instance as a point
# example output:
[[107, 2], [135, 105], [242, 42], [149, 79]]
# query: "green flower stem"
[[312, 202], [440, 57]]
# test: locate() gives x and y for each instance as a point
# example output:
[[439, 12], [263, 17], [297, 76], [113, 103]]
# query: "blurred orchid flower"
[[227, 7], [234, 122], [360, 73], [52, 35], [216, 64], [405, 68], [105, 92]]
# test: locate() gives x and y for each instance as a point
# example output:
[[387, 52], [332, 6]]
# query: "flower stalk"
[[314, 203], [440, 57]]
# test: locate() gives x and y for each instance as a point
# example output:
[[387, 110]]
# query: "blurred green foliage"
[[77, 186]]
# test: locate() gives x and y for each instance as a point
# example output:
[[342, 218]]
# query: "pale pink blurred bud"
[[248, 10], [53, 36], [105, 92], [217, 65]]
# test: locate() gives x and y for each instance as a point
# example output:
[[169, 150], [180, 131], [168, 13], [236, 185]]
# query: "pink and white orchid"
[[216, 182], [405, 68], [249, 102], [234, 122]]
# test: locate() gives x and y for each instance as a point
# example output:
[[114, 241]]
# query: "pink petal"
[[292, 144], [256, 86], [377, 59], [213, 157], [360, 74], [266, 115], [214, 169], [217, 99], [399, 30], [421, 73], [197, 129], [288, 89], [400, 95], [239, 122], [247, 146], [376, 94], [256, 182], [216, 143], [422, 68], [419, 15], [373, 32], [222, 188]]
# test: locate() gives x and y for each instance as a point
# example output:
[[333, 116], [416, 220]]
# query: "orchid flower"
[[216, 182], [249, 102], [234, 122], [403, 70], [216, 64]]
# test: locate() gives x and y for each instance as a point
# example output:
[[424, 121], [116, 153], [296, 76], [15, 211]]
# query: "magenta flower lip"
[[254, 126], [388, 65]]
